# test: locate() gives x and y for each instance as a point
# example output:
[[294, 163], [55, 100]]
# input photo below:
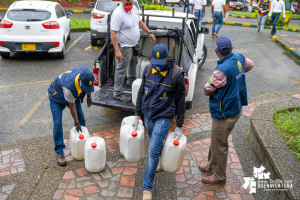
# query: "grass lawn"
[[242, 13], [288, 124], [80, 23], [295, 15]]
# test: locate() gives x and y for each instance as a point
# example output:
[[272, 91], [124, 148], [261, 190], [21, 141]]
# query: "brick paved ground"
[[118, 179]]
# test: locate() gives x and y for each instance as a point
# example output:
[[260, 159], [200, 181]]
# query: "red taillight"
[[51, 25], [186, 84], [56, 43], [6, 24], [98, 16], [96, 75], [1, 42]]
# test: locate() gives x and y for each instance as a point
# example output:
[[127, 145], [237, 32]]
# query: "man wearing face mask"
[[69, 89], [161, 97], [125, 33], [227, 91]]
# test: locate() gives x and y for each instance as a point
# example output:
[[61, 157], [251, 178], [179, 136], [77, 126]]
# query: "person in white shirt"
[[199, 5], [276, 7], [217, 7], [125, 31]]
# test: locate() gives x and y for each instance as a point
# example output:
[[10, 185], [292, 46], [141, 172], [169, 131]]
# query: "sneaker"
[[147, 195], [213, 36], [159, 168], [61, 161], [216, 35], [271, 35], [123, 97], [260, 33]]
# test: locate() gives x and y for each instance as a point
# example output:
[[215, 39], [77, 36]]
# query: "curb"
[[238, 16], [291, 51], [3, 9], [78, 11], [295, 18], [84, 29], [253, 26]]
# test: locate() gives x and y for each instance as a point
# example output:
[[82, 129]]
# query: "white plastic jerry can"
[[134, 144], [77, 141], [130, 119], [135, 89], [123, 131], [173, 153], [94, 154], [144, 63]]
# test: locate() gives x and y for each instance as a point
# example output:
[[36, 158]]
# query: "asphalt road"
[[25, 78]]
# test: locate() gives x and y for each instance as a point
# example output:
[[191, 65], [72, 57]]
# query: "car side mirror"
[[69, 14], [0, 19], [92, 4], [141, 6], [204, 30]]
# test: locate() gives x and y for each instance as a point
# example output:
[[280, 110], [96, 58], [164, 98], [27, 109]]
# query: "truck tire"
[[163, 2], [5, 55], [62, 54], [69, 36], [204, 55], [93, 42], [181, 3], [189, 104]]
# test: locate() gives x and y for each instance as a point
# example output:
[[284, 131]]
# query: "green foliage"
[[46, 166], [72, 1], [148, 2], [156, 7], [80, 23], [206, 111], [288, 124]]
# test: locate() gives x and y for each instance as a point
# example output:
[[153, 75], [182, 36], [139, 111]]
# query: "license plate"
[[238, 8], [28, 47]]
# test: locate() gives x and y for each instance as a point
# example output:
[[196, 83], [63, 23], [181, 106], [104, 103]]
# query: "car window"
[[62, 11], [109, 6], [58, 12], [28, 15]]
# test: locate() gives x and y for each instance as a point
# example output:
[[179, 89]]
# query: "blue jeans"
[[275, 18], [186, 6], [218, 16], [56, 110], [201, 16], [157, 131]]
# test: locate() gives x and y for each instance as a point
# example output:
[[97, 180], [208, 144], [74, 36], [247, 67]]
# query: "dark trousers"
[[275, 18]]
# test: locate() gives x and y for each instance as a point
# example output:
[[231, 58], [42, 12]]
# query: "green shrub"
[[79, 23], [156, 7], [148, 2]]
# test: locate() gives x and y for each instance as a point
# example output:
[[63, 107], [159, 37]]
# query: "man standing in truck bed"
[[125, 31]]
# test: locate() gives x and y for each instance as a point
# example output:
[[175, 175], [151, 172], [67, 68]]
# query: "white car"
[[99, 18], [34, 26], [172, 2]]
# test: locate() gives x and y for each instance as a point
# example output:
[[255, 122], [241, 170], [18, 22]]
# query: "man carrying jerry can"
[[160, 97], [69, 89]]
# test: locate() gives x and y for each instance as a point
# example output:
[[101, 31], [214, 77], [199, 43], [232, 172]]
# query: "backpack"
[[174, 74]]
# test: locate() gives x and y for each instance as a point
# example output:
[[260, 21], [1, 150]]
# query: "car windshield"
[[109, 6], [28, 15]]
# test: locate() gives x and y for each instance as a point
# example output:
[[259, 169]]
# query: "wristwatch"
[[150, 33]]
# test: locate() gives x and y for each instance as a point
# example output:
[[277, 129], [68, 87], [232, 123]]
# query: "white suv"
[[34, 26], [99, 18]]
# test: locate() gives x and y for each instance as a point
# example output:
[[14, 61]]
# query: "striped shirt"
[[219, 79]]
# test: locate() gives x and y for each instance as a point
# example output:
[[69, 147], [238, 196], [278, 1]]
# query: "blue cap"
[[223, 45], [159, 54], [87, 79]]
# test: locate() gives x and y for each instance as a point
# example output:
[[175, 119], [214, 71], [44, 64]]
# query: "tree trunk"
[[156, 2]]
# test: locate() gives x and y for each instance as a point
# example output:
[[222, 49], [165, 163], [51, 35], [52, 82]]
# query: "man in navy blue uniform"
[[68, 90], [161, 97], [228, 93]]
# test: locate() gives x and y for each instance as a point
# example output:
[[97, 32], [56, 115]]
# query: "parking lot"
[[25, 78]]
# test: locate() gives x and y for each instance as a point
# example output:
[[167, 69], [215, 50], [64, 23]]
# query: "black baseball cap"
[[223, 45], [87, 79]]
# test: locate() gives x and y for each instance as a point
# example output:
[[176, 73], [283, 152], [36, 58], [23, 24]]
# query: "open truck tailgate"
[[105, 98]]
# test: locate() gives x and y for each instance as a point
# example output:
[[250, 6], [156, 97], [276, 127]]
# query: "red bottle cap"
[[94, 145], [134, 134], [175, 142], [81, 136], [140, 118]]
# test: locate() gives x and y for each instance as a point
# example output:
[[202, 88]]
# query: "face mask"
[[159, 68], [128, 8]]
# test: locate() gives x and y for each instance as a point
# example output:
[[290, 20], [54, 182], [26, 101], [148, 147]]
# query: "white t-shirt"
[[198, 4], [69, 97], [218, 5], [127, 26]]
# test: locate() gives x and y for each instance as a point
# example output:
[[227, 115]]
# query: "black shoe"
[[61, 161], [123, 97]]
